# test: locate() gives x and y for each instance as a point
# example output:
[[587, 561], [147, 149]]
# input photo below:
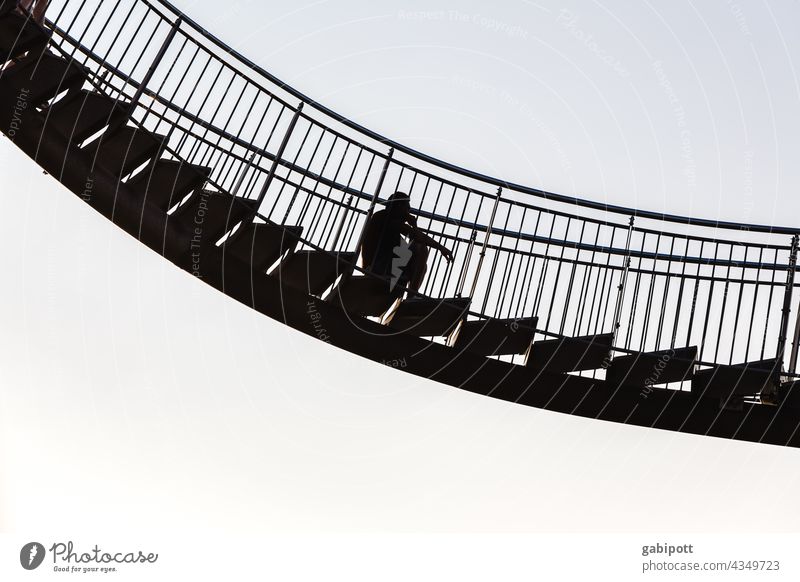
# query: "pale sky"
[[684, 107]]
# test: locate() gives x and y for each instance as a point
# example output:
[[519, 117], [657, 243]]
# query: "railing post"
[[462, 278], [370, 211], [485, 243], [787, 306], [622, 282], [149, 74], [341, 222], [275, 161]]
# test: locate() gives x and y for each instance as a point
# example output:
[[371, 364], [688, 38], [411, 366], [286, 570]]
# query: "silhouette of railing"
[[655, 281]]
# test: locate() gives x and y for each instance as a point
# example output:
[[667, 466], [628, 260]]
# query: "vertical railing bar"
[[439, 260], [787, 304], [649, 301], [303, 174], [795, 345], [571, 282], [341, 222], [757, 288], [494, 264], [665, 296], [370, 211], [527, 282], [676, 322], [738, 311], [560, 261], [485, 243], [622, 281], [519, 269], [275, 161], [346, 209], [315, 197], [695, 292], [588, 282], [769, 305], [320, 198], [724, 303], [462, 278], [306, 171], [354, 216], [545, 265], [711, 285]]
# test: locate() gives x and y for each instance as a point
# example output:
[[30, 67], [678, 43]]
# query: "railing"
[[656, 281]]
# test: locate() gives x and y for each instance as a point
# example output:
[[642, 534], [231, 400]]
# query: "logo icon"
[[402, 256], [31, 555]]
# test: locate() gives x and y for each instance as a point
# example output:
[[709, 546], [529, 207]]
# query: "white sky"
[[685, 107]]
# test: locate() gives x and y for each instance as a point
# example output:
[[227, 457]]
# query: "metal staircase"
[[563, 304]]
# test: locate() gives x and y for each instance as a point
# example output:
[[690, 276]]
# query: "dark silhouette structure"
[[569, 305], [394, 247]]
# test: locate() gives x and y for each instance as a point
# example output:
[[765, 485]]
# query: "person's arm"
[[416, 234], [39, 9]]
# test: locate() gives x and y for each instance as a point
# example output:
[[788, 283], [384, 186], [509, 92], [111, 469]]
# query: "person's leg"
[[417, 267]]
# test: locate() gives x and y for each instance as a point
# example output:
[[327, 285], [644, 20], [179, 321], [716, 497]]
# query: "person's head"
[[399, 206]]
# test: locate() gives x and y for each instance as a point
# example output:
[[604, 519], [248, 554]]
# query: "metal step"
[[167, 182], [209, 215], [737, 380], [313, 271], [37, 78], [122, 150], [571, 354], [649, 368], [261, 244], [428, 317], [365, 296], [84, 114], [495, 337], [18, 34], [789, 395]]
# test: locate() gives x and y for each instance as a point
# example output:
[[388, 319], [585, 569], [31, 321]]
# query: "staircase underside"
[[227, 269]]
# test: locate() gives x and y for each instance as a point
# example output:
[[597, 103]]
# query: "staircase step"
[[18, 34], [571, 354], [365, 296], [84, 114], [313, 271], [209, 215], [124, 149], [495, 337], [748, 378], [167, 182], [789, 395], [428, 317], [261, 244], [648, 368], [40, 77]]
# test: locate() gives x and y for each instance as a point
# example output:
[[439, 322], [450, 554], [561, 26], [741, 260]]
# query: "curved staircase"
[[563, 304]]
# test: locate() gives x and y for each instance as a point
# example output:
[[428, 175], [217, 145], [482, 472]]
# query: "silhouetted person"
[[36, 8], [382, 249]]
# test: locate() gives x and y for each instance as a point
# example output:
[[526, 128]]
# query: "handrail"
[[580, 256], [355, 192], [573, 200]]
